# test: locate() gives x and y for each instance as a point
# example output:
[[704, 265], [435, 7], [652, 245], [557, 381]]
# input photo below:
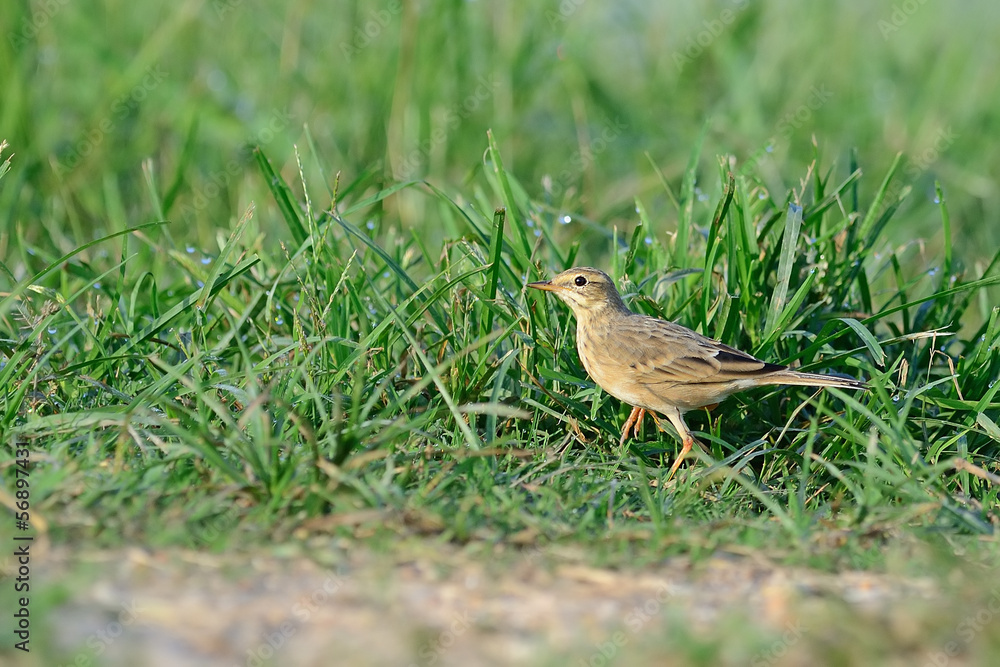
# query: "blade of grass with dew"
[[203, 294], [215, 272], [52, 266], [789, 245]]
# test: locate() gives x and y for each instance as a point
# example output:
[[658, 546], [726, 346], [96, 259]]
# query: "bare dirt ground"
[[436, 605]]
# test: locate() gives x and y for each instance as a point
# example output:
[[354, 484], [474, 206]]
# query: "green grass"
[[213, 346], [363, 367]]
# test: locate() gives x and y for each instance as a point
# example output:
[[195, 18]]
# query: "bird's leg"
[[686, 445], [633, 422], [687, 440]]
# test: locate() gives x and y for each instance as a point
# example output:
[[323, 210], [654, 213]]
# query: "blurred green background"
[[577, 94]]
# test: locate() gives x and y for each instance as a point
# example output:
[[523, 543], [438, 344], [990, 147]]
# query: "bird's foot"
[[686, 445], [632, 423]]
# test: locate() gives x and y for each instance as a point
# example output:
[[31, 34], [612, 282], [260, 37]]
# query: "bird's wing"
[[661, 352]]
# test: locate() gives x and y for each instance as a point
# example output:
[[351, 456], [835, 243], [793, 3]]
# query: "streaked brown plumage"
[[657, 365]]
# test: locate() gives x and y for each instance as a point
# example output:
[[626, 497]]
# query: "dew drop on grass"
[[97, 285], [201, 283], [769, 148], [932, 271], [530, 223], [566, 219], [895, 398], [206, 260], [189, 249], [648, 240], [279, 320], [53, 330], [370, 224], [762, 196], [937, 200]]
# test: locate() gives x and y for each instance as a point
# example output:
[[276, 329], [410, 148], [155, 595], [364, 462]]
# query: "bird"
[[658, 366]]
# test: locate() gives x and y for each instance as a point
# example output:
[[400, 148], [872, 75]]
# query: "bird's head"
[[585, 290]]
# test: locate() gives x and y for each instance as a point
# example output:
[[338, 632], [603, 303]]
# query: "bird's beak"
[[545, 285]]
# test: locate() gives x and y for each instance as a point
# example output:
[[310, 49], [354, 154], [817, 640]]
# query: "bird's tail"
[[790, 377]]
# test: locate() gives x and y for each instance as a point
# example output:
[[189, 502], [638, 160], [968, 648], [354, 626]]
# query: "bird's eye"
[[580, 281]]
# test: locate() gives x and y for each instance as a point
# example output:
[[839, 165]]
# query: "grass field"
[[263, 274]]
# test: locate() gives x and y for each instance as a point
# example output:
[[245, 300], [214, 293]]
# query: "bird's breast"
[[606, 364]]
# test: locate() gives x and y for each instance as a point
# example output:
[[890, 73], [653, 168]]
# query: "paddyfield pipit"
[[659, 366]]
